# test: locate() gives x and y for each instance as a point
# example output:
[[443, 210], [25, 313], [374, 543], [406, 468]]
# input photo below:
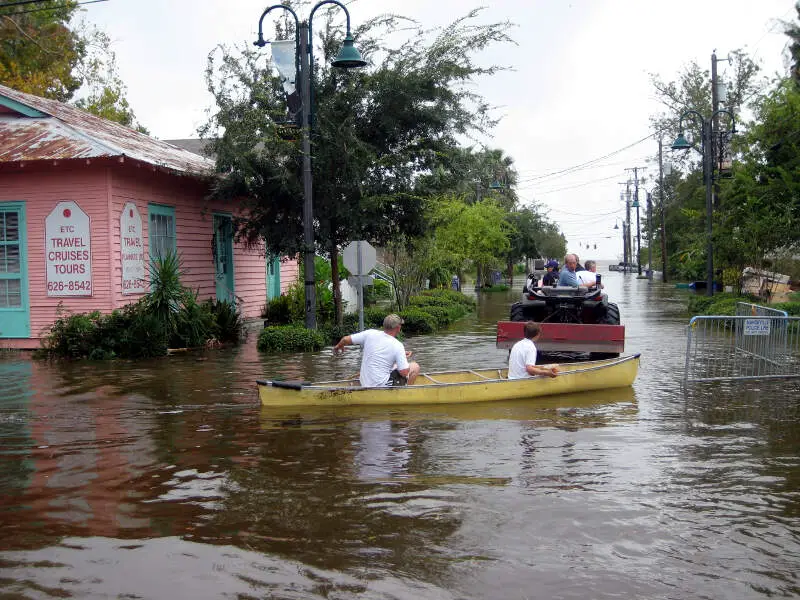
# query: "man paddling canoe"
[[385, 360]]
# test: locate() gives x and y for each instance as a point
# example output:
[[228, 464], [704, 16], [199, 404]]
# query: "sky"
[[578, 84]]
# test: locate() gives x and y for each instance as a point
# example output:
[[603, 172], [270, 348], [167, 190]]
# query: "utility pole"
[[628, 248], [626, 231], [636, 204], [716, 142], [308, 186], [650, 236], [663, 210]]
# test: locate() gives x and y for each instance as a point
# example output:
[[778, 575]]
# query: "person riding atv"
[[565, 304]]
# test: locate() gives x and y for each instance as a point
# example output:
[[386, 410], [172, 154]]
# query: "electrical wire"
[[590, 162], [33, 10], [578, 185]]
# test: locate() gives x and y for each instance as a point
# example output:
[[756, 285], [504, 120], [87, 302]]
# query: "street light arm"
[[311, 46], [731, 116], [260, 41], [322, 3], [311, 31], [696, 116]]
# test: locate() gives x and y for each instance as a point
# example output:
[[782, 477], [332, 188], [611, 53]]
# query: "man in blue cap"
[[551, 277]]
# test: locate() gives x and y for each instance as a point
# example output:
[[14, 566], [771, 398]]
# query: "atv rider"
[[567, 277], [551, 277]]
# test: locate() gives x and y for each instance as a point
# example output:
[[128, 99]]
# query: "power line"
[[32, 10], [579, 185], [21, 2], [589, 162]]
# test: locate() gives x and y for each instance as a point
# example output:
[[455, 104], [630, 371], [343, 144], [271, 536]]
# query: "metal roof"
[[35, 129]]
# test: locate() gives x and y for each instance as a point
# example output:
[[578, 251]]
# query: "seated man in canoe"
[[522, 358], [385, 360]]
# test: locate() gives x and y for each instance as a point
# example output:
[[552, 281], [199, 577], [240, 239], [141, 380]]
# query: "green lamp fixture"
[[349, 57], [681, 143], [635, 203]]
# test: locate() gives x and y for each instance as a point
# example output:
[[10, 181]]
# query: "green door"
[[223, 257], [273, 278], [15, 318]]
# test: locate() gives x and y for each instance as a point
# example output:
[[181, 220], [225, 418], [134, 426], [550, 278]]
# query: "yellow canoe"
[[444, 387]]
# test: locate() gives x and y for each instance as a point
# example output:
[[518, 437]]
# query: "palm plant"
[[167, 294]]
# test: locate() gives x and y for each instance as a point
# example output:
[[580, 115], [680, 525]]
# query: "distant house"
[[86, 203]]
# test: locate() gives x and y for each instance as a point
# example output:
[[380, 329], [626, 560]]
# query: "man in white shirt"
[[522, 359], [588, 277], [385, 360]]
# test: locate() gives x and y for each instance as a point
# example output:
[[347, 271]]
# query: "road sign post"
[[359, 258]]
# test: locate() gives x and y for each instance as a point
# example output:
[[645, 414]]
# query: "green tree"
[[474, 175], [45, 52], [377, 131], [477, 234], [684, 192], [39, 52], [527, 229], [760, 217]]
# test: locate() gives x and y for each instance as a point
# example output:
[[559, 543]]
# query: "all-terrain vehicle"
[[559, 304], [573, 319]]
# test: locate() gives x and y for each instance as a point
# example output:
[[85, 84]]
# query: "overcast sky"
[[579, 89]]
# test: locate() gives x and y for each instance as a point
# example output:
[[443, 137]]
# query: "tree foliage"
[[49, 53], [377, 132], [684, 192]]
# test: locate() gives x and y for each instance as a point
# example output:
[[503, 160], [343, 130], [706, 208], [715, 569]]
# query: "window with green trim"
[[162, 230], [10, 261]]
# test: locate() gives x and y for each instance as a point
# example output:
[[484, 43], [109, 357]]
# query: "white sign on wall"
[[131, 246], [68, 253]]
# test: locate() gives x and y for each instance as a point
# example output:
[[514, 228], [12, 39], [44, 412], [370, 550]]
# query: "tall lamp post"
[[348, 58], [706, 151]]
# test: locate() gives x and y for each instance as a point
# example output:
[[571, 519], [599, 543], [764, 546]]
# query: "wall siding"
[[101, 192], [41, 190]]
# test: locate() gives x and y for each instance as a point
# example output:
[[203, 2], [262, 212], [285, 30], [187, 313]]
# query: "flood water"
[[165, 479]]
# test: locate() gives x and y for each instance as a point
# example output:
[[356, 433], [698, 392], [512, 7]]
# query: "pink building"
[[85, 203]]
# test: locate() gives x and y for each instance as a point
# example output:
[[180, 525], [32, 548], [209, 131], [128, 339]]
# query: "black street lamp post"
[[706, 151], [348, 58]]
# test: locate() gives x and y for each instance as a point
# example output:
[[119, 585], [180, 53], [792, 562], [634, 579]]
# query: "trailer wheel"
[[518, 312]]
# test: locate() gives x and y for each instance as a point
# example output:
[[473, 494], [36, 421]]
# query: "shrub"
[[379, 290], [441, 315], [502, 287], [130, 332], [290, 338], [452, 296], [429, 301], [791, 308], [723, 306], [417, 320], [229, 325], [72, 336], [194, 323], [278, 311], [167, 294]]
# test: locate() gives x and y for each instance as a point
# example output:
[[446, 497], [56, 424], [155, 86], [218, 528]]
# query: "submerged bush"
[[290, 338], [129, 332], [169, 315], [418, 321]]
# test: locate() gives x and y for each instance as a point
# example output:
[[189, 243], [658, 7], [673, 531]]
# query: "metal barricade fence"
[[765, 346], [751, 346]]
